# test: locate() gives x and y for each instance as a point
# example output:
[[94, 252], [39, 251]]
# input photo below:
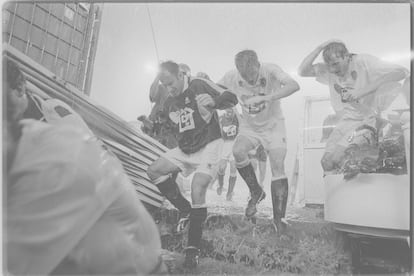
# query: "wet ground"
[[219, 204], [232, 245]]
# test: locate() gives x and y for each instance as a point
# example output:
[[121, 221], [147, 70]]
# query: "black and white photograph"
[[207, 138]]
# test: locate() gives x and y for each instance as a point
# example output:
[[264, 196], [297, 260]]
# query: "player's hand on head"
[[205, 100], [326, 43]]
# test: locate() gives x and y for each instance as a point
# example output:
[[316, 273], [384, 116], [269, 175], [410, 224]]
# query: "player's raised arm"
[[307, 68]]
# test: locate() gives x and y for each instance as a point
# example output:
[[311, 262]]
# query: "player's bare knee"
[[198, 200], [239, 153], [201, 181], [198, 192], [278, 167]]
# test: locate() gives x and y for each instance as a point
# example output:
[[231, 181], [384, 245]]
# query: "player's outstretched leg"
[[163, 174]]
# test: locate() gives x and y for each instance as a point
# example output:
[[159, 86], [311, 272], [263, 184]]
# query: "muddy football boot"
[[255, 198], [191, 257], [256, 192], [280, 226]]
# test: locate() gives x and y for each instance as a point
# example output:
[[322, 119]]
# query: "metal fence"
[[60, 36]]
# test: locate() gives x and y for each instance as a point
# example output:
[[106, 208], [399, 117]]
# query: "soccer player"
[[353, 80], [192, 110], [259, 88]]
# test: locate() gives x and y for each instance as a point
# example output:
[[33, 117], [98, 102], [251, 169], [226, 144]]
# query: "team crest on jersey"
[[342, 91], [175, 116], [230, 130], [255, 109], [184, 118], [252, 109]]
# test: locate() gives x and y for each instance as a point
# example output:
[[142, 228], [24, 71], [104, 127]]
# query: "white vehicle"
[[369, 205]]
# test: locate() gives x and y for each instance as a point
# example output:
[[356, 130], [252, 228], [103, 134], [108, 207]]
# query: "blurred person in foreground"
[[259, 88], [355, 82], [192, 109], [70, 208]]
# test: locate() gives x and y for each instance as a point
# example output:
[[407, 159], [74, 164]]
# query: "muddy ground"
[[232, 245]]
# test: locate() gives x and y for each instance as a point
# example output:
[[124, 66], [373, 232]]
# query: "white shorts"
[[204, 161], [227, 153], [270, 139]]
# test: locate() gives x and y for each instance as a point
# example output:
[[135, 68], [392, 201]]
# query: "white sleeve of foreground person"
[[71, 209]]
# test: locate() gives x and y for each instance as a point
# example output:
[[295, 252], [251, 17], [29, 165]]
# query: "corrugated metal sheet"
[[135, 150], [60, 36]]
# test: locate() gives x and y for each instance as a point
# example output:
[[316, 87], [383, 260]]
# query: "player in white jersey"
[[259, 88], [355, 81]]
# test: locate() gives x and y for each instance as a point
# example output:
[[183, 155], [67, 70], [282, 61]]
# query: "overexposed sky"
[[206, 36]]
